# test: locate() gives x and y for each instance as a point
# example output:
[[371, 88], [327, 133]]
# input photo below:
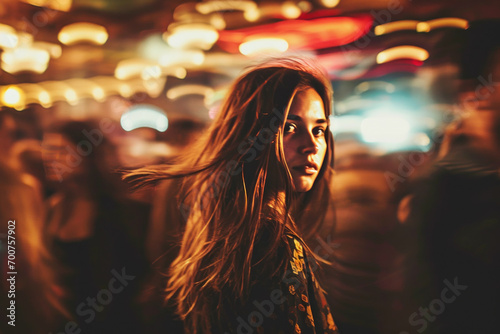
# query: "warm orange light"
[[217, 21], [330, 3], [34, 93], [197, 35], [85, 88], [12, 96], [58, 91], [135, 67], [290, 10], [207, 7], [252, 15], [54, 50], [186, 58], [83, 32], [62, 5], [390, 27], [445, 22], [25, 59], [402, 52], [421, 26], [179, 91]]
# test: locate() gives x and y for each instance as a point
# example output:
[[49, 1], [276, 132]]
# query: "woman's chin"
[[302, 186]]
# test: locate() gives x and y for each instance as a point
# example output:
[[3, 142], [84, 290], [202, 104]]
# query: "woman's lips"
[[308, 169]]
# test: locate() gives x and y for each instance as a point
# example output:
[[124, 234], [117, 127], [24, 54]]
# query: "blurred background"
[[391, 63], [88, 86]]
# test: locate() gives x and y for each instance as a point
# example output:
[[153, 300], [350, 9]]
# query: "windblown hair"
[[236, 183]]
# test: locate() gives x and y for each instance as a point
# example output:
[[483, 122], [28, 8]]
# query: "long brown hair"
[[236, 183]]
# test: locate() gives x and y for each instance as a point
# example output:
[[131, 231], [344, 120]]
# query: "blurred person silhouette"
[[364, 280], [455, 209], [249, 191], [95, 233], [26, 157], [8, 129], [22, 250]]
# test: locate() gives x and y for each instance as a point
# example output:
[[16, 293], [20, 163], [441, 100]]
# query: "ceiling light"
[[330, 3], [85, 88], [290, 10], [61, 5], [218, 6], [83, 32], [25, 59], [179, 91], [34, 93], [135, 67], [54, 50], [8, 37], [142, 115], [263, 45], [252, 15], [12, 96], [182, 58], [59, 91], [195, 35]]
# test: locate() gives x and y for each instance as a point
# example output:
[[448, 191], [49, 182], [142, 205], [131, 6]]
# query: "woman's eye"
[[319, 132], [289, 128]]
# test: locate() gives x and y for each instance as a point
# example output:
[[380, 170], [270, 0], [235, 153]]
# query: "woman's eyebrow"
[[294, 117], [298, 118]]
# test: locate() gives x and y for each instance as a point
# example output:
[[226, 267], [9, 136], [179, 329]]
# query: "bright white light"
[[388, 129], [142, 115], [25, 59], [8, 36], [422, 139], [263, 45], [12, 96], [347, 123]]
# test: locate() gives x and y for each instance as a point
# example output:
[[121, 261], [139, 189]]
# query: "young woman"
[[252, 188]]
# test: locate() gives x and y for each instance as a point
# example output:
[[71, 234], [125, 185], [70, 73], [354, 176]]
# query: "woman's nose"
[[309, 145]]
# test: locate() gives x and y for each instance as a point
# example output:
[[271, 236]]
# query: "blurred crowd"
[[412, 239]]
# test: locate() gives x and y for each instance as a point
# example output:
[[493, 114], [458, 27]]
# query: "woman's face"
[[304, 138]]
